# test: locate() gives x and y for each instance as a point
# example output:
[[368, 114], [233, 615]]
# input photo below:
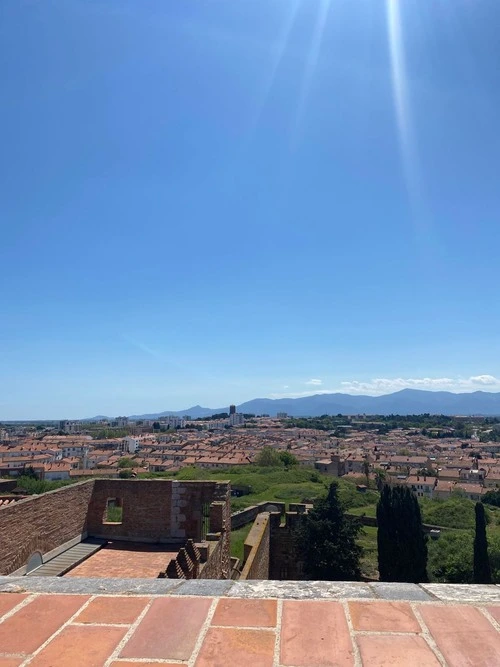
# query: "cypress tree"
[[327, 540], [402, 544], [482, 570]]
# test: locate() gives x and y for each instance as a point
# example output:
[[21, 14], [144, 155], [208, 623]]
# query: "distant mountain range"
[[407, 401]]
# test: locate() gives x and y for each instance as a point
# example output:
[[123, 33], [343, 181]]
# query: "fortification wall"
[[285, 561], [239, 519], [42, 523], [257, 549], [154, 510], [167, 511]]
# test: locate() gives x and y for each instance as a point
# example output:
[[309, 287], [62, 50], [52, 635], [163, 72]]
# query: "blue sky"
[[210, 201]]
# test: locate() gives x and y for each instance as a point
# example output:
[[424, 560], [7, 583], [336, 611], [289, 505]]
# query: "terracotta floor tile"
[[28, 628], [463, 635], [126, 663], [383, 617], [9, 600], [11, 662], [254, 613], [80, 646], [315, 633], [385, 650], [231, 646], [495, 612], [125, 559], [169, 630], [112, 610]]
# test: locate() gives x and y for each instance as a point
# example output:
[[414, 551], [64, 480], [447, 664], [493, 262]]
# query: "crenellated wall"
[[156, 510], [285, 562]]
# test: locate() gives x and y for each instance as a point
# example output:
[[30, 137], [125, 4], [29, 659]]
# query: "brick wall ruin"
[[285, 560], [157, 510], [42, 523], [209, 559]]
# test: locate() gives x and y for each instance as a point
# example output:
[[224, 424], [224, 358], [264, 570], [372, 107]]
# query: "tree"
[[30, 472], [326, 538], [380, 478], [366, 471], [126, 462], [268, 457], [482, 570], [287, 459], [450, 557], [402, 544], [492, 497]]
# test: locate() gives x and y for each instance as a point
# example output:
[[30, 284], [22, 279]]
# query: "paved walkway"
[[125, 559], [43, 629]]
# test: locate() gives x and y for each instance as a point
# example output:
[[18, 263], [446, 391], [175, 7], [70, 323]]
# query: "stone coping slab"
[[111, 630], [297, 590]]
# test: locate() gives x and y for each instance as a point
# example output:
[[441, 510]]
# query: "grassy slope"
[[238, 538]]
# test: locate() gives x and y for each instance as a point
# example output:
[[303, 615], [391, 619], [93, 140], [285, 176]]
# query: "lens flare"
[[311, 64], [407, 142], [279, 53]]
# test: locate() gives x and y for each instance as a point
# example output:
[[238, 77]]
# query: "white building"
[[70, 427], [74, 449], [174, 422], [236, 419], [130, 445]]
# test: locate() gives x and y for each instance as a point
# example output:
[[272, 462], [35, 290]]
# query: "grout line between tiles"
[[18, 606], [203, 632], [57, 632], [355, 648], [277, 642], [490, 618], [128, 634], [426, 634]]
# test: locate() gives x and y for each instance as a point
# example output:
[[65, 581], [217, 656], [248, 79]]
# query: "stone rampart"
[[249, 514], [257, 549], [157, 511]]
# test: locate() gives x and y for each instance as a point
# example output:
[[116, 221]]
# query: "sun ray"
[[405, 125], [311, 65], [279, 53]]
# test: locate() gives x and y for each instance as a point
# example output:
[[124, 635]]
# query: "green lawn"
[[369, 561], [296, 484], [368, 510], [238, 538]]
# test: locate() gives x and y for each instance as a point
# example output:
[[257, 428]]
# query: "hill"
[[406, 401]]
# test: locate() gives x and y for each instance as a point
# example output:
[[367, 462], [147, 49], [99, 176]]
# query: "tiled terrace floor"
[[92, 630], [125, 559]]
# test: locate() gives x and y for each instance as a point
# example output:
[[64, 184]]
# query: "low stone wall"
[[372, 521], [256, 549], [239, 519]]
